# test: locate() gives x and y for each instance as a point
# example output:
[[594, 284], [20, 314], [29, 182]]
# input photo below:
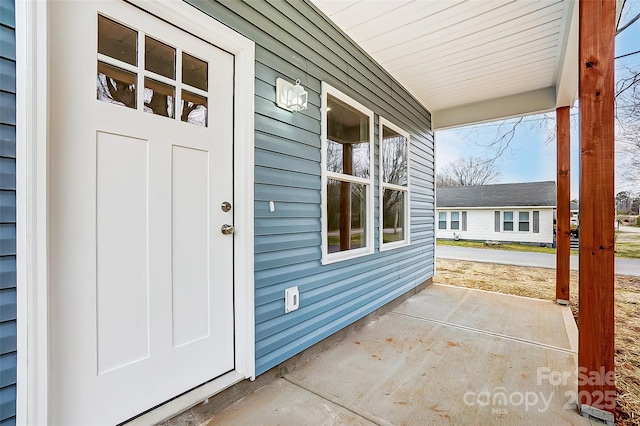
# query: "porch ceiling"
[[470, 61]]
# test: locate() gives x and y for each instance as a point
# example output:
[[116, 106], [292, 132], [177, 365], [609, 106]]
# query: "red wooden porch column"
[[563, 207], [596, 384]]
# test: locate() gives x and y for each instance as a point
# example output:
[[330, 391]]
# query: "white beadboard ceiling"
[[470, 61]]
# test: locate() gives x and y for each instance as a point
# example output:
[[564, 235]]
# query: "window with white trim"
[[507, 221], [523, 221], [347, 192], [442, 220], [394, 186], [455, 221]]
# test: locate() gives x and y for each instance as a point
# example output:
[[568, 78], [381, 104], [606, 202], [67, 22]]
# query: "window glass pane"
[[442, 220], [508, 215], [393, 216], [194, 71], [508, 226], [117, 41], [455, 216], [194, 109], [160, 58], [523, 226], [348, 139], [116, 86], [394, 157], [346, 215], [158, 98], [523, 215]]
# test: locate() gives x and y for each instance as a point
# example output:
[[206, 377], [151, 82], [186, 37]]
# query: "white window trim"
[[382, 185], [328, 258], [32, 56], [516, 221], [446, 220]]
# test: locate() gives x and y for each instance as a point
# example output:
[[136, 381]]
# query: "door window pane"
[[116, 86], [394, 157], [159, 98], [194, 109], [194, 71], [117, 41], [346, 215], [347, 139], [160, 58], [393, 216]]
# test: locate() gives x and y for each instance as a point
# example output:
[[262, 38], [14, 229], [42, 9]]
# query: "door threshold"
[[187, 400]]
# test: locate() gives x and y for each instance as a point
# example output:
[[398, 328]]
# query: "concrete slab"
[[447, 355], [283, 403]]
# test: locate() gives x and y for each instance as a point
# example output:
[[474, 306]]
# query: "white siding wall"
[[480, 226]]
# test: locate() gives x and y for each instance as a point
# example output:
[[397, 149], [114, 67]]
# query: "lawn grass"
[[627, 246]]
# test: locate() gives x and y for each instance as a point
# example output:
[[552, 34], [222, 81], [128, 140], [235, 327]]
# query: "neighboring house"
[[512, 212], [167, 203], [574, 210]]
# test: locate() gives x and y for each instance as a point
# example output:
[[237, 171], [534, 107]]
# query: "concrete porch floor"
[[446, 355]]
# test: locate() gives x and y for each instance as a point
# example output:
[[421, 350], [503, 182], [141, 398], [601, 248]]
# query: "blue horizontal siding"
[[7, 206], [294, 41], [7, 402], [8, 340], [7, 141], [7, 271], [8, 369]]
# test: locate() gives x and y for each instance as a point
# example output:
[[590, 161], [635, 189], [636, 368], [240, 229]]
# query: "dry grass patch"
[[539, 283]]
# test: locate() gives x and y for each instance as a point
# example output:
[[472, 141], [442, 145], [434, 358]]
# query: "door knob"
[[227, 229]]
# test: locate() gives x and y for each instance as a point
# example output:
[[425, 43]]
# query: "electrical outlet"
[[291, 299]]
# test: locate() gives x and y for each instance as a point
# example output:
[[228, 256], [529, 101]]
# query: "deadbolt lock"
[[226, 206]]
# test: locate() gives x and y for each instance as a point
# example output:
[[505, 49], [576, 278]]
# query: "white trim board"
[[32, 141]]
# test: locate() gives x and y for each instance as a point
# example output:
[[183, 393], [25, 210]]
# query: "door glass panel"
[[116, 86], [194, 109], [158, 98], [194, 71], [117, 41], [160, 58]]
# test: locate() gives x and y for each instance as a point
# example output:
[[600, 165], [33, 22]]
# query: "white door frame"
[[32, 140]]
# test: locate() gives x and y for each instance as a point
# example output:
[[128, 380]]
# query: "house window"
[[507, 221], [464, 221], [523, 221], [347, 176], [455, 220], [442, 220], [394, 186]]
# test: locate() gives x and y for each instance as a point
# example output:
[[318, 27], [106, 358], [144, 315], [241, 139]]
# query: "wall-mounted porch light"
[[290, 96]]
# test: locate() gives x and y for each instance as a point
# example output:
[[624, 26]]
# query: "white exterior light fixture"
[[291, 97]]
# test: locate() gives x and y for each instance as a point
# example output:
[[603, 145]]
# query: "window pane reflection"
[[160, 58], [393, 216], [158, 98], [116, 86], [117, 41], [348, 139], [194, 109], [394, 157], [194, 71], [346, 215]]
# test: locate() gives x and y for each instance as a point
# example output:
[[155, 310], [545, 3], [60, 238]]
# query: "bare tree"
[[468, 172]]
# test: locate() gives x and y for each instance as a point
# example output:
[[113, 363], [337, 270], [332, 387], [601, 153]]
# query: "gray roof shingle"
[[500, 195]]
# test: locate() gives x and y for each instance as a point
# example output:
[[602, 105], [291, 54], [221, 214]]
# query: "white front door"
[[141, 184]]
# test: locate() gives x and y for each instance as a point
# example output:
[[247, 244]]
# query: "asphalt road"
[[538, 260]]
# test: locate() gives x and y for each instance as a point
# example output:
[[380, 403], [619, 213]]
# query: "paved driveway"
[[539, 260]]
